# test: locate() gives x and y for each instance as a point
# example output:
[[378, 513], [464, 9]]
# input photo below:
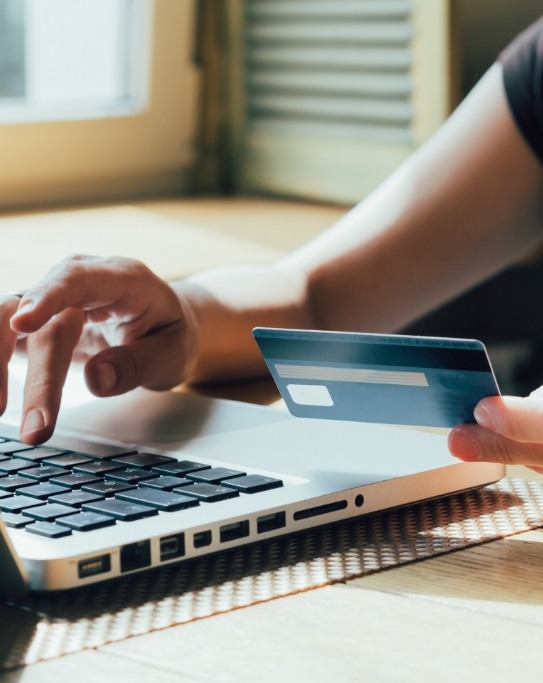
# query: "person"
[[463, 206]]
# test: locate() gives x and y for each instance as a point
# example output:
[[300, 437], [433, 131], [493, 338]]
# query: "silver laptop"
[[148, 479]]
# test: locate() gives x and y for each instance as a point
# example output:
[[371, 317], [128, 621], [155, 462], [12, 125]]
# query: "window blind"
[[337, 92]]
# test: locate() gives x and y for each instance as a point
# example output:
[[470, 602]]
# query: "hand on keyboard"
[[125, 323]]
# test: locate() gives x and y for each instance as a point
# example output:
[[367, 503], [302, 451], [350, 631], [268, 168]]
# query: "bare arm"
[[466, 204]]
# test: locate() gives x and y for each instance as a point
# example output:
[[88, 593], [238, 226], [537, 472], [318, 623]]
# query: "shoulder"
[[522, 64]]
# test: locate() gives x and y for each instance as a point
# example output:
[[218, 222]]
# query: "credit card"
[[380, 378]]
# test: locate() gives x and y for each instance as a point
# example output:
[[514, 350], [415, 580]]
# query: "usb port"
[[135, 556], [275, 520], [201, 539], [94, 565], [231, 532], [172, 547]]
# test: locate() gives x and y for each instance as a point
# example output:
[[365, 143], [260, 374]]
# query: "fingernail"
[[34, 421], [25, 308], [107, 376], [484, 417], [461, 446]]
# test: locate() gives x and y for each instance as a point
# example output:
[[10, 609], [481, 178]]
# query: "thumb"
[[157, 361], [519, 419]]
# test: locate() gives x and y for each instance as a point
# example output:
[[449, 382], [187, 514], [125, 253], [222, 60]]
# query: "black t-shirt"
[[523, 79]]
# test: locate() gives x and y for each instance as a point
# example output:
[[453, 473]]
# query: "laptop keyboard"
[[53, 492]]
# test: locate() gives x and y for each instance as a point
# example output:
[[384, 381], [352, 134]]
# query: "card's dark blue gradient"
[[457, 372]]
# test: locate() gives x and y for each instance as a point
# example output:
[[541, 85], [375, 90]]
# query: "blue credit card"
[[385, 378]]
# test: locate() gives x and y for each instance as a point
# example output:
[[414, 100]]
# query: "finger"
[[49, 357], [101, 286], [519, 419], [8, 304], [472, 443], [160, 360]]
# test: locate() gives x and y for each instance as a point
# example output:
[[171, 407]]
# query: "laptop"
[[147, 479]]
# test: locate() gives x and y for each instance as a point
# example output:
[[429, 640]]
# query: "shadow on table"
[[46, 625], [498, 577]]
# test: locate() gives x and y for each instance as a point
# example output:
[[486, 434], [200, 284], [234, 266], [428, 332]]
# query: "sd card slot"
[[320, 510]]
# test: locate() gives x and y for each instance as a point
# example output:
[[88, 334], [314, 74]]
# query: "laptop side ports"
[[135, 556], [271, 522], [92, 566], [172, 547], [231, 532]]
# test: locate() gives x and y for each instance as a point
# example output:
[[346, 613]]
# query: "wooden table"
[[473, 615]]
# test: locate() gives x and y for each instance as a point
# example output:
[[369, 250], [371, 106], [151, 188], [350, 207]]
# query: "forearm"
[[228, 302], [465, 205]]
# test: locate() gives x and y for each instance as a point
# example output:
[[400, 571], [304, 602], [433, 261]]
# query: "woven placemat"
[[44, 626]]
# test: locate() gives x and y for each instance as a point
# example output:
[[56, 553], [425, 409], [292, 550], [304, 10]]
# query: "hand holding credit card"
[[383, 378]]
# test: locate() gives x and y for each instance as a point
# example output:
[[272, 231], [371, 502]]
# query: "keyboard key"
[[16, 521], [120, 509], [75, 480], [215, 475], [68, 460], [162, 500], [107, 488], [40, 453], [13, 465], [18, 503], [9, 447], [49, 512], [208, 493], [75, 498], [180, 467], [14, 482], [144, 460], [86, 521], [165, 483], [130, 475], [48, 529], [99, 468], [253, 483], [43, 490], [98, 451], [44, 472]]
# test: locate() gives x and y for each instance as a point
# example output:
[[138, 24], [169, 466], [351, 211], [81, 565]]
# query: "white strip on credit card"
[[322, 373]]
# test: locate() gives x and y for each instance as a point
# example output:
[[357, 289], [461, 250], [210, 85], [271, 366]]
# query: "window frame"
[[144, 153]]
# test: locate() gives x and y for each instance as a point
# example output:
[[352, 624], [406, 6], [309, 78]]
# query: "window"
[[66, 59], [97, 98], [12, 71]]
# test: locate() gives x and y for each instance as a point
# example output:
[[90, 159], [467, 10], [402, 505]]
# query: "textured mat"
[[44, 626]]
